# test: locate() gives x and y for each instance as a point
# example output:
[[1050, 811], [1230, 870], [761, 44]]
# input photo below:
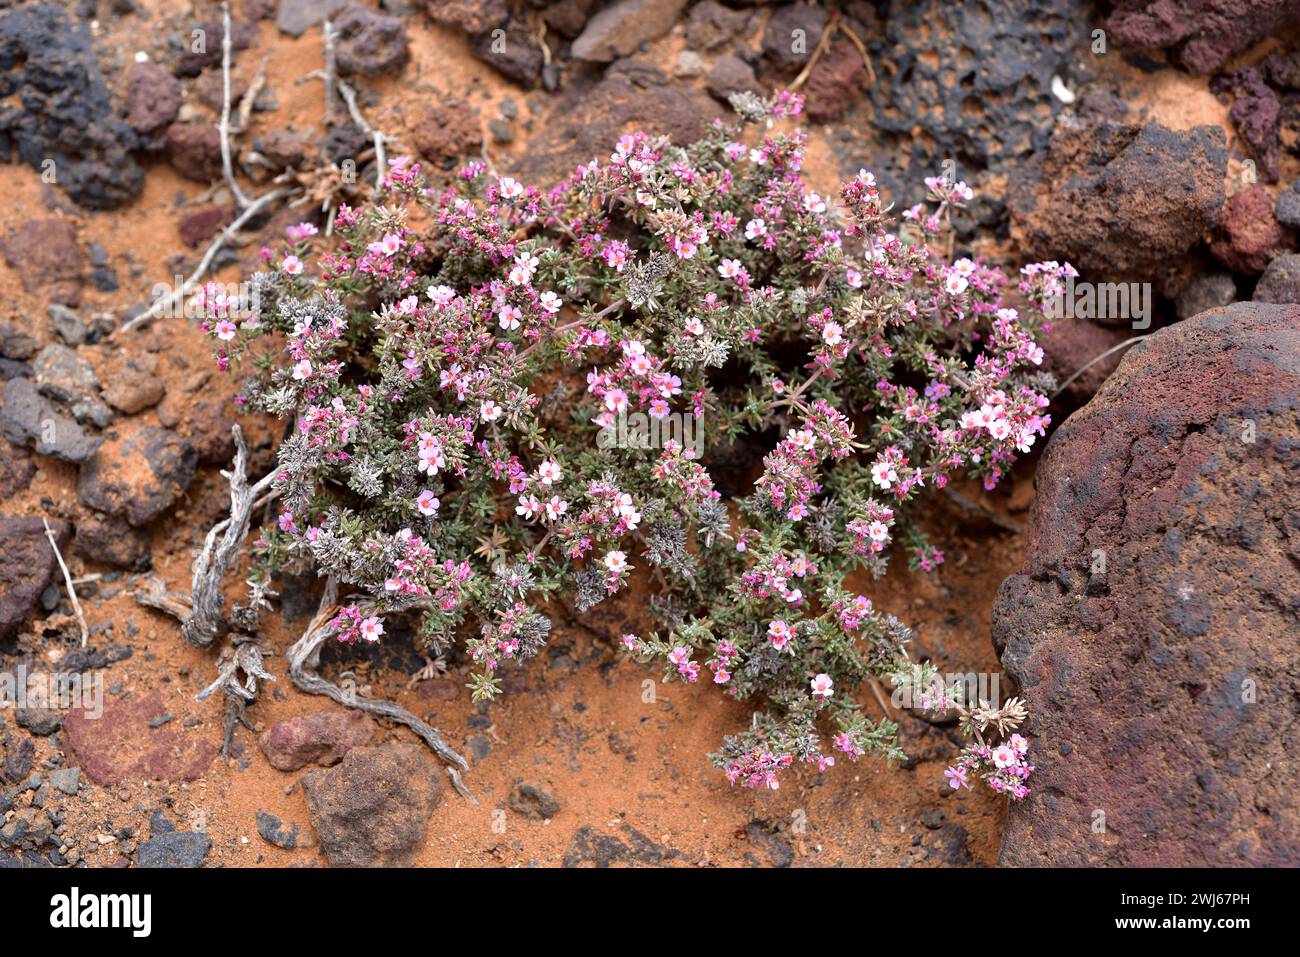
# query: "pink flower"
[[225, 330], [1004, 756], [371, 628], [291, 265], [956, 777], [822, 686], [427, 503]]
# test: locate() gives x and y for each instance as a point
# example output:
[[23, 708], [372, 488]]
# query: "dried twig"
[[304, 659], [827, 32], [243, 656], [225, 236], [330, 74], [67, 579], [381, 157], [226, 165], [250, 96]]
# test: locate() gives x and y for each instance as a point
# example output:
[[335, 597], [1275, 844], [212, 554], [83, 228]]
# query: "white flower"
[[528, 506], [694, 326], [955, 284], [832, 333], [549, 472], [508, 318], [550, 302], [883, 474], [556, 507], [878, 531], [372, 628], [616, 562], [822, 686], [730, 268], [803, 439], [814, 203], [441, 295], [509, 188], [755, 228], [302, 369], [489, 411]]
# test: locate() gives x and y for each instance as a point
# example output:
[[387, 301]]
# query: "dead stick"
[[67, 578], [226, 165]]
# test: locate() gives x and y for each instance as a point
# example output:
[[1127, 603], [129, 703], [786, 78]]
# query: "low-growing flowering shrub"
[[452, 366]]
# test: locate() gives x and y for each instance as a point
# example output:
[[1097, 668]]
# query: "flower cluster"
[[453, 362]]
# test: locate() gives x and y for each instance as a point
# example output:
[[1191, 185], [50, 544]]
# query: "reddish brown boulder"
[[835, 84], [28, 565], [120, 744], [46, 254], [447, 131], [194, 151], [1252, 235], [373, 809], [1203, 33], [1118, 200], [153, 97], [1153, 627], [322, 738], [203, 224], [138, 473]]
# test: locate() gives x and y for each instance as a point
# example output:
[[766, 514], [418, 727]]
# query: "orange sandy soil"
[[584, 731]]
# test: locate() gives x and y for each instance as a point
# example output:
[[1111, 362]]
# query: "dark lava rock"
[[29, 417], [296, 17], [534, 801], [16, 468], [590, 116], [321, 738], [47, 256], [274, 832], [730, 74], [120, 745], [1210, 289], [194, 151], [447, 131], [1252, 235], [58, 108], [139, 472], [28, 564], [202, 44], [472, 16], [948, 847], [1287, 210], [973, 78], [1280, 282], [620, 28], [710, 25], [41, 722], [134, 382], [1116, 199], [153, 97], [111, 541], [283, 148], [1204, 34], [590, 847], [568, 17], [1157, 687], [792, 33], [63, 375], [1255, 111], [374, 808], [370, 43], [175, 849], [514, 55]]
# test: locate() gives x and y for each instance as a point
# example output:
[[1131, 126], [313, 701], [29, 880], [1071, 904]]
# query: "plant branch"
[[67, 579]]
